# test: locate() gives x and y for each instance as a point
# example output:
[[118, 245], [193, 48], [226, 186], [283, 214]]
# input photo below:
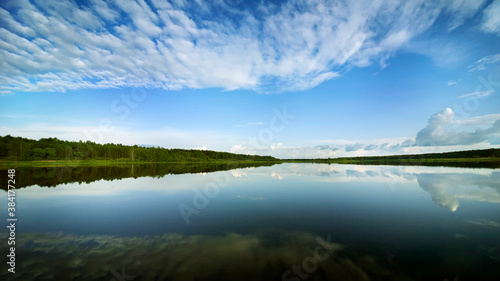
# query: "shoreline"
[[76, 163]]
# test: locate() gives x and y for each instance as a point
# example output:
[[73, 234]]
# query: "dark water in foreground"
[[284, 222]]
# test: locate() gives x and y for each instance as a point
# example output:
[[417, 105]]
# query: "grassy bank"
[[398, 162], [485, 162], [487, 158]]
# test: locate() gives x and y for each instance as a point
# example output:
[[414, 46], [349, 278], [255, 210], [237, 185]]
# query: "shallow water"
[[284, 222]]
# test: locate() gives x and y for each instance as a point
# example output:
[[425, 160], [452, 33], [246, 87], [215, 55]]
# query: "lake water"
[[281, 222]]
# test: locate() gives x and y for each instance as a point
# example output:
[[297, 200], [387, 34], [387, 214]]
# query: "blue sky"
[[284, 78]]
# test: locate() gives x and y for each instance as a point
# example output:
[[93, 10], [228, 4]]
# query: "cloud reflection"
[[446, 185], [436, 185], [261, 256]]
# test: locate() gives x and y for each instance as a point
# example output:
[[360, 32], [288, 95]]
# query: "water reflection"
[[445, 185], [428, 222], [54, 176], [436, 185], [266, 255]]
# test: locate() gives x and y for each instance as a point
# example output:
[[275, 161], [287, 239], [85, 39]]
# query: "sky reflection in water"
[[389, 222]]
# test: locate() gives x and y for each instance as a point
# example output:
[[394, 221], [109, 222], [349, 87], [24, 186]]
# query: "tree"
[[39, 152], [22, 149], [51, 152], [78, 154]]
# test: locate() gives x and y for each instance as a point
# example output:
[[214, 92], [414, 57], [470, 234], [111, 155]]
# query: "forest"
[[469, 154], [23, 149], [480, 158]]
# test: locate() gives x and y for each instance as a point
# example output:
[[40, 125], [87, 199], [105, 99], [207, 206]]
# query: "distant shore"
[[52, 152], [452, 162], [76, 163], [485, 162], [485, 158]]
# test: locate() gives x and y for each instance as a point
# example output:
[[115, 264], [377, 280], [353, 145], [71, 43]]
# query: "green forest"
[[485, 158], [23, 149], [470, 154]]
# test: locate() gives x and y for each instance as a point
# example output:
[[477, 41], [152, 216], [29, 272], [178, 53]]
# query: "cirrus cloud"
[[491, 18], [295, 45]]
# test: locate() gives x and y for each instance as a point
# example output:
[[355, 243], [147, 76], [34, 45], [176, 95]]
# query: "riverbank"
[[451, 162], [99, 163], [485, 158]]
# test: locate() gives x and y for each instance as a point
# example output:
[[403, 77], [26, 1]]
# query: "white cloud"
[[481, 63], [280, 151], [276, 146], [484, 120], [103, 10], [437, 133], [58, 45], [478, 94], [443, 133], [491, 18], [371, 147], [451, 83], [461, 10], [354, 147]]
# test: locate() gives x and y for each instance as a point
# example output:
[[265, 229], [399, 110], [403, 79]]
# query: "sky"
[[291, 79]]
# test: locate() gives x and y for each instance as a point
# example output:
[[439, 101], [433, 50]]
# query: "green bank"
[[52, 152], [48, 152], [483, 158]]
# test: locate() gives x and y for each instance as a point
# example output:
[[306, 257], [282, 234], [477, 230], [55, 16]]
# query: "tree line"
[[481, 158], [469, 154], [465, 154], [24, 149]]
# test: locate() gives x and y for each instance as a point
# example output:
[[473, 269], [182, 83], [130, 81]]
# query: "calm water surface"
[[284, 222]]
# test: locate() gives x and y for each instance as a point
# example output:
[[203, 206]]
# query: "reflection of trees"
[[50, 177]]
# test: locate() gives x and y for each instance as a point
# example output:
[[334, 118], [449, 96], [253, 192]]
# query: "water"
[[281, 222]]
